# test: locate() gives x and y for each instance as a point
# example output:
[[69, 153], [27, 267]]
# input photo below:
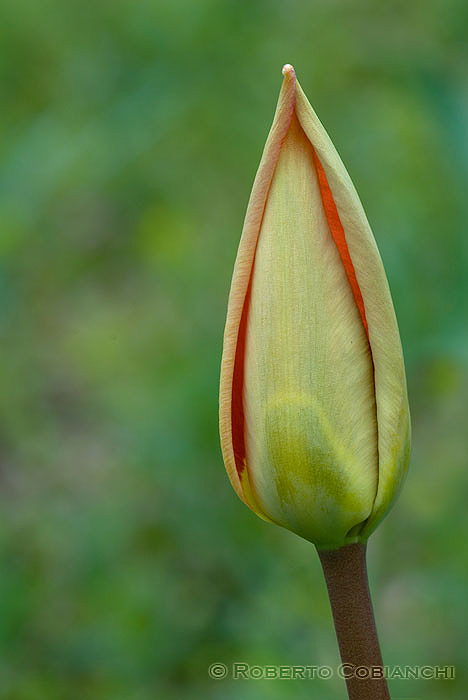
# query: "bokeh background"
[[130, 133]]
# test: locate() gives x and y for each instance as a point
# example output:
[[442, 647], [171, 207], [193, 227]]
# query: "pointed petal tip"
[[288, 71]]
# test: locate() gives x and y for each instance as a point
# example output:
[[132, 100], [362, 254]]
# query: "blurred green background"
[[129, 138]]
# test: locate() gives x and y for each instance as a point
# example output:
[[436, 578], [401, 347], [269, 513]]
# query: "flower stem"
[[348, 589]]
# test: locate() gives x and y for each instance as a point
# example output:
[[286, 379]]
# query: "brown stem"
[[348, 589]]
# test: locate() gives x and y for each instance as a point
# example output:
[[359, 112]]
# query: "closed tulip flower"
[[314, 417]]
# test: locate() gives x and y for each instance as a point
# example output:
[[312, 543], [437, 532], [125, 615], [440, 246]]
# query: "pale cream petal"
[[240, 283], [309, 404], [389, 372]]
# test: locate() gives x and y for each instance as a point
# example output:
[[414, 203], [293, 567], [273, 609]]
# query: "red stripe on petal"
[[237, 404], [339, 237]]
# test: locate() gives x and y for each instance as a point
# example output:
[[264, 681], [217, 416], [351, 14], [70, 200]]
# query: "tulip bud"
[[314, 417]]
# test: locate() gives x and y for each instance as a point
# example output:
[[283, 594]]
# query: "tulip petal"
[[389, 371], [310, 420], [231, 415]]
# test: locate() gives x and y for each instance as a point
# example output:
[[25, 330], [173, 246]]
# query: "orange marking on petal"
[[337, 231], [237, 406]]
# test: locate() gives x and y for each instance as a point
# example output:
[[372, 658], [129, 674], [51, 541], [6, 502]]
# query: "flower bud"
[[314, 417]]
